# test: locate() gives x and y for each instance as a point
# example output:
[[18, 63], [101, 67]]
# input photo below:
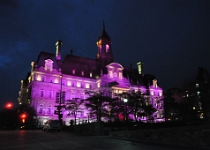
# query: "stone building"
[[50, 78]]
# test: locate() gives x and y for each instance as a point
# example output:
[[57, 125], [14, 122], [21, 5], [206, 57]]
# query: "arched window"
[[40, 108], [49, 109]]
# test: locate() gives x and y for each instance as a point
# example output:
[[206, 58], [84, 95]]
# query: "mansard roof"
[[87, 66], [80, 64]]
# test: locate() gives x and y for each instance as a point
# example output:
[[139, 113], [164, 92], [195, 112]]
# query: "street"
[[40, 140]]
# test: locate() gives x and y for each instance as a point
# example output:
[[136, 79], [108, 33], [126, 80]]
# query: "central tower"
[[104, 47]]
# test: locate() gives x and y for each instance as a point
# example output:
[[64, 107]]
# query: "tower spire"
[[103, 26]]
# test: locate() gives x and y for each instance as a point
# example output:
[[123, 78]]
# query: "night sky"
[[171, 37]]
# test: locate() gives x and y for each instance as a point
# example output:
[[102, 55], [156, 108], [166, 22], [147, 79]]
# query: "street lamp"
[[125, 100]]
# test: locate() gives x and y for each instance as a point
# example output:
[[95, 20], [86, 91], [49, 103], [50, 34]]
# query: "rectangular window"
[[38, 78], [57, 97], [49, 110], [120, 75], [69, 83], [63, 97], [50, 94], [78, 84], [98, 84], [111, 74], [87, 85], [42, 93]]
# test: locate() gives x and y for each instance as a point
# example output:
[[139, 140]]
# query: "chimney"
[[58, 50], [140, 67]]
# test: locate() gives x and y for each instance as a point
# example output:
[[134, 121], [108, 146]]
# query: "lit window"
[[98, 84], [120, 75], [198, 93], [69, 83], [152, 92], [38, 78], [160, 93], [107, 48], [56, 80], [91, 74], [87, 85], [82, 73], [197, 85], [111, 74], [78, 84]]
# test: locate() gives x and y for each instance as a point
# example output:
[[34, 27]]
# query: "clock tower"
[[104, 47]]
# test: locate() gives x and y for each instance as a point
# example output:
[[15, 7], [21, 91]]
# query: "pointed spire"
[[103, 26]]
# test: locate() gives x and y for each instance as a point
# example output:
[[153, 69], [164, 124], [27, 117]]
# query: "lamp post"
[[60, 98], [125, 100]]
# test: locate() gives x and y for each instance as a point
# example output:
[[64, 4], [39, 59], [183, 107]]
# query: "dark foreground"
[[38, 139]]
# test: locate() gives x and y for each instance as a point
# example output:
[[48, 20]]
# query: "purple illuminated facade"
[[75, 75]]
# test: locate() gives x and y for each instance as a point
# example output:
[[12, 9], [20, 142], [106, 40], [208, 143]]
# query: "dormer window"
[[48, 65], [91, 74], [82, 73]]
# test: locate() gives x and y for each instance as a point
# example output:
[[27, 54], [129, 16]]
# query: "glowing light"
[[107, 48], [152, 92], [38, 78], [56, 80], [98, 85], [111, 74], [78, 84], [9, 105], [125, 100], [87, 85], [69, 83], [91, 74], [120, 75]]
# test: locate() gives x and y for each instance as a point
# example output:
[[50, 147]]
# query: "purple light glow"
[[80, 74]]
